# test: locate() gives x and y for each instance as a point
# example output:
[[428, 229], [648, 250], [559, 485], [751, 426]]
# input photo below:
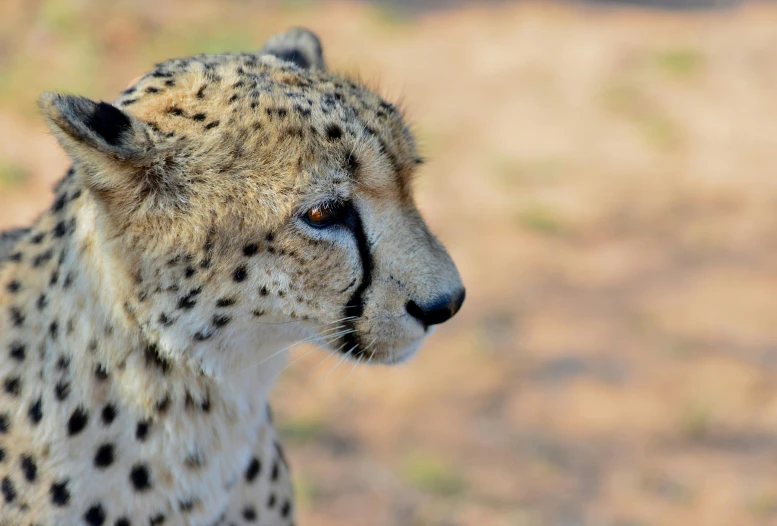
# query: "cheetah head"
[[241, 202]]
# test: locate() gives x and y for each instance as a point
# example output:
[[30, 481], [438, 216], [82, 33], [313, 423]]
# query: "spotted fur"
[[146, 313]]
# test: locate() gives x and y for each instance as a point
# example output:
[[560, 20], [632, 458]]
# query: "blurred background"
[[604, 176]]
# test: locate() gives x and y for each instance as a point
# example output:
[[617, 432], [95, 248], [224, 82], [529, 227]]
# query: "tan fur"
[[175, 267]]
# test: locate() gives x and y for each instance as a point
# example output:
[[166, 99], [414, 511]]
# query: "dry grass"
[[605, 181]]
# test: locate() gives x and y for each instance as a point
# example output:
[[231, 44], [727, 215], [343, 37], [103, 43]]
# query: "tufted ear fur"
[[114, 147], [297, 45]]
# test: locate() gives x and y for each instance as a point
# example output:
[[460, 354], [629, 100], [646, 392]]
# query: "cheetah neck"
[[79, 371], [89, 324]]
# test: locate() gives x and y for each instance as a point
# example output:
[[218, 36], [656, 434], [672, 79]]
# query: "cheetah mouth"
[[373, 350]]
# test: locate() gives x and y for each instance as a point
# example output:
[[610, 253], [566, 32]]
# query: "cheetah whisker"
[[310, 338], [364, 371], [341, 360], [359, 360], [306, 354]]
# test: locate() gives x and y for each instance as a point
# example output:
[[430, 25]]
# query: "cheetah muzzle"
[[222, 209]]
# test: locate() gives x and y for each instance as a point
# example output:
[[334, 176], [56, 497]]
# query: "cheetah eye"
[[326, 214]]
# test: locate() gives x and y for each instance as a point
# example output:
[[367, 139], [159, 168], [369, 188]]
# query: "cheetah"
[[222, 209]]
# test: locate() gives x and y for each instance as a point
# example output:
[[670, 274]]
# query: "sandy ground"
[[604, 180]]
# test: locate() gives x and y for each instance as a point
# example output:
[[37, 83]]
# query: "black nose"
[[437, 311]]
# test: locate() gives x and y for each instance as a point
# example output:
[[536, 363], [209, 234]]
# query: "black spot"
[[156, 520], [122, 521], [189, 272], [35, 412], [63, 363], [205, 405], [163, 404], [62, 390], [201, 91], [54, 329], [249, 513], [269, 237], [104, 456], [169, 83], [233, 98], [253, 469], [203, 335], [271, 501], [95, 516], [285, 509], [152, 89], [188, 301], [37, 238], [333, 131], [77, 422], [193, 460], [352, 163], [17, 351], [42, 302], [59, 493], [199, 117], [13, 286], [141, 431], [58, 205], [13, 385], [2, 454], [165, 320], [305, 112], [263, 291], [186, 505], [240, 274], [5, 423], [108, 414], [29, 468], [17, 317], [175, 111], [140, 478], [109, 122], [9, 492], [212, 125], [220, 320], [275, 471], [152, 356], [100, 372], [59, 229], [225, 302], [250, 250], [68, 280]]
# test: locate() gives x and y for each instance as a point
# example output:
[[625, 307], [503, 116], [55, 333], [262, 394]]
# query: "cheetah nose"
[[438, 311]]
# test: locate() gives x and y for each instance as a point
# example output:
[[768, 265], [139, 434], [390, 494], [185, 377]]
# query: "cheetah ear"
[[112, 145], [297, 45], [89, 130]]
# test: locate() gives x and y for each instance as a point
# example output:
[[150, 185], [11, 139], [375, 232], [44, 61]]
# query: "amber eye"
[[319, 215], [327, 214]]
